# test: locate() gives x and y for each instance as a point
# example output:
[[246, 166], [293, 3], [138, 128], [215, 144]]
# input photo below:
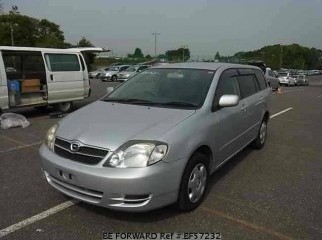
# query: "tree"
[[148, 57], [84, 43], [49, 34], [137, 54], [177, 55], [29, 32], [217, 56]]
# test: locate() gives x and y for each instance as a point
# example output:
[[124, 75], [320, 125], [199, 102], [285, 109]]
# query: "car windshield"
[[173, 88], [114, 69], [132, 69]]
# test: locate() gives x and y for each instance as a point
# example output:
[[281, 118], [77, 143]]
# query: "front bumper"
[[128, 189]]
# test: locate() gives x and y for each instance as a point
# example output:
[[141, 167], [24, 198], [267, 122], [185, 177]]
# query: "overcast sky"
[[206, 26]]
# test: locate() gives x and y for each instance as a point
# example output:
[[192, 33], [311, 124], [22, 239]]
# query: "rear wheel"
[[193, 183], [260, 140], [64, 107]]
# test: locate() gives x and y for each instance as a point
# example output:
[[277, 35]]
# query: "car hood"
[[109, 125]]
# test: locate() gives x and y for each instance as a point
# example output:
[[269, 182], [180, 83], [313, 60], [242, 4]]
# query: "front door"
[[64, 77], [231, 120]]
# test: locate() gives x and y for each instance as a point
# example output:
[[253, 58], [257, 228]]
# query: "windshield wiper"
[[181, 104], [127, 100]]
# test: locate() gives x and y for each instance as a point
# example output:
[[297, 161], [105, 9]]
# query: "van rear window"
[[62, 62]]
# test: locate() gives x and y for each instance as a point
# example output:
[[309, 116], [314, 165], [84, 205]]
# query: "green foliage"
[[29, 32], [137, 54], [217, 56], [178, 55], [291, 56], [84, 43]]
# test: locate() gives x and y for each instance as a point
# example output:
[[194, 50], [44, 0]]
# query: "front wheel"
[[260, 140], [114, 78], [64, 107], [193, 183]]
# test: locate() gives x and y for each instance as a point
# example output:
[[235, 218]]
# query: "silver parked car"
[[131, 71], [98, 72], [157, 138], [302, 80], [111, 74]]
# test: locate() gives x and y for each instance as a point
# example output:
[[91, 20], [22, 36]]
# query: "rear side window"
[[62, 62], [247, 85], [261, 80]]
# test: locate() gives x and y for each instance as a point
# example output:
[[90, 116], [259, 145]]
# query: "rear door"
[[65, 77], [86, 82], [4, 101], [250, 91]]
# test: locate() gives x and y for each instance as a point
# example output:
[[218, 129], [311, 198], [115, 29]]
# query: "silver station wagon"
[[156, 139]]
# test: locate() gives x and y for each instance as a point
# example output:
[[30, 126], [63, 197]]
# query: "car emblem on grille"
[[74, 147]]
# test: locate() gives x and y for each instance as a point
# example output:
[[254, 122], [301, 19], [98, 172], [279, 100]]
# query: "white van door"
[[64, 77], [4, 100], [86, 81]]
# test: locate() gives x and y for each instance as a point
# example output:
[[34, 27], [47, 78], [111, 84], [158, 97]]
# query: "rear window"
[[247, 85], [62, 62]]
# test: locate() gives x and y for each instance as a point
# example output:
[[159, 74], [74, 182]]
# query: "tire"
[[260, 139], [190, 195], [64, 107], [114, 78], [42, 108]]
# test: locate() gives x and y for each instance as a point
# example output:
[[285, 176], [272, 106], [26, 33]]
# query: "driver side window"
[[227, 85]]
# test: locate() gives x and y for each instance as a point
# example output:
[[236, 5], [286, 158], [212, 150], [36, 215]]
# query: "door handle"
[[51, 77], [244, 108], [261, 98]]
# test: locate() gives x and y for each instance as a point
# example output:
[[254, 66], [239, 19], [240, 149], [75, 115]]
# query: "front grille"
[[85, 154]]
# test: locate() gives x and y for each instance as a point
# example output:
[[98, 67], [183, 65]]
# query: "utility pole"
[[281, 56], [183, 48], [155, 34], [12, 40]]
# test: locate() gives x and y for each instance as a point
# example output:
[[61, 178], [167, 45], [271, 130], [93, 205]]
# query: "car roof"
[[56, 50], [205, 65]]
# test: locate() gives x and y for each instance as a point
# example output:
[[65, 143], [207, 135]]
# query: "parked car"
[[302, 80], [156, 138], [285, 78], [111, 74], [272, 79], [131, 71], [96, 73], [45, 77]]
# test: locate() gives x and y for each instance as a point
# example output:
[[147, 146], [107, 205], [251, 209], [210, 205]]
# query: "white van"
[[39, 77]]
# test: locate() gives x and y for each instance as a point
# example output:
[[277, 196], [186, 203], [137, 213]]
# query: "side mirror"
[[109, 90], [228, 101]]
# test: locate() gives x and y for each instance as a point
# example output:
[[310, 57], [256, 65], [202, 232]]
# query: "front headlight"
[[50, 137], [136, 154]]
